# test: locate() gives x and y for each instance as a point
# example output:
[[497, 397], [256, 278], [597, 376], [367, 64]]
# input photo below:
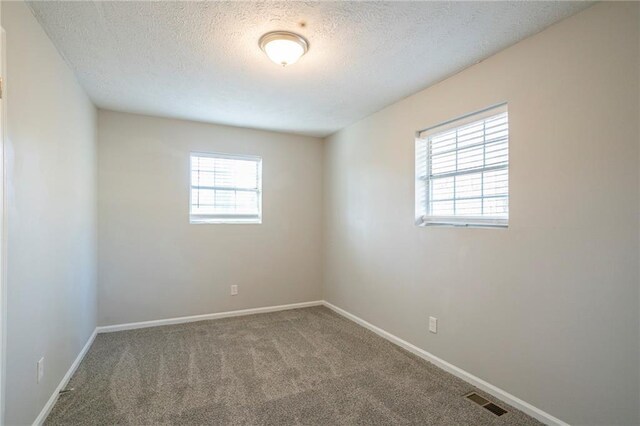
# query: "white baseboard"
[[54, 397], [503, 395], [458, 372], [192, 318]]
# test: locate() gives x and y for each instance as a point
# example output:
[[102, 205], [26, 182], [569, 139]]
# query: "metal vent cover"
[[498, 411], [485, 403]]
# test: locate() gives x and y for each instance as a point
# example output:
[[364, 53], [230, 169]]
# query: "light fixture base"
[[280, 37]]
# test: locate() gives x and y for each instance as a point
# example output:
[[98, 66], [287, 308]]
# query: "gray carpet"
[[303, 366]]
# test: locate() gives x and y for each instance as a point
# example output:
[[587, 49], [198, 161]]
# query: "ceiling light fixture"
[[283, 48]]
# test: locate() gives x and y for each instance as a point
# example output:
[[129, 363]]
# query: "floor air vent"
[[485, 403]]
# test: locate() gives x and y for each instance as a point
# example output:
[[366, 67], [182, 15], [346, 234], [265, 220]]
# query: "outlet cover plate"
[[433, 324], [40, 368]]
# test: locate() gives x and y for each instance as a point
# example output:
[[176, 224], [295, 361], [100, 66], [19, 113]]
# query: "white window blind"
[[462, 171], [225, 188]]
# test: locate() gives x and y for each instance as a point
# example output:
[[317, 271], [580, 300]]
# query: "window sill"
[[225, 221], [458, 222]]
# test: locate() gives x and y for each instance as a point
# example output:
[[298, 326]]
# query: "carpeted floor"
[[303, 366]]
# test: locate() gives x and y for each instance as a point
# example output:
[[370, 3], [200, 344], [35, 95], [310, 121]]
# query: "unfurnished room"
[[319, 213]]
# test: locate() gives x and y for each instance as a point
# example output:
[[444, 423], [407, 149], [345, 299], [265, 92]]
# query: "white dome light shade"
[[284, 48]]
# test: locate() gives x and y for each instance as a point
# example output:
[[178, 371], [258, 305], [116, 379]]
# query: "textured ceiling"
[[201, 60]]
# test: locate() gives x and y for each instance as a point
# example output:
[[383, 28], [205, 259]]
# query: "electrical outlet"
[[433, 324], [234, 290], [40, 369]]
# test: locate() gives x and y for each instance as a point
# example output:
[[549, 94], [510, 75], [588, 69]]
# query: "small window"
[[462, 171], [225, 188]]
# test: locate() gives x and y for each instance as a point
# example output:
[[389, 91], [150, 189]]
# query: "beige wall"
[[153, 264], [51, 207], [547, 309]]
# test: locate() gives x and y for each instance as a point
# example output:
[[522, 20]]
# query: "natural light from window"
[[225, 188], [462, 171]]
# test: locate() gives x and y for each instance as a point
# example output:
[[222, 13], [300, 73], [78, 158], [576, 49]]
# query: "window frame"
[[237, 219], [422, 216]]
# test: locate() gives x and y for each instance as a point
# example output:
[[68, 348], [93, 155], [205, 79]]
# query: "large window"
[[225, 188], [462, 171]]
